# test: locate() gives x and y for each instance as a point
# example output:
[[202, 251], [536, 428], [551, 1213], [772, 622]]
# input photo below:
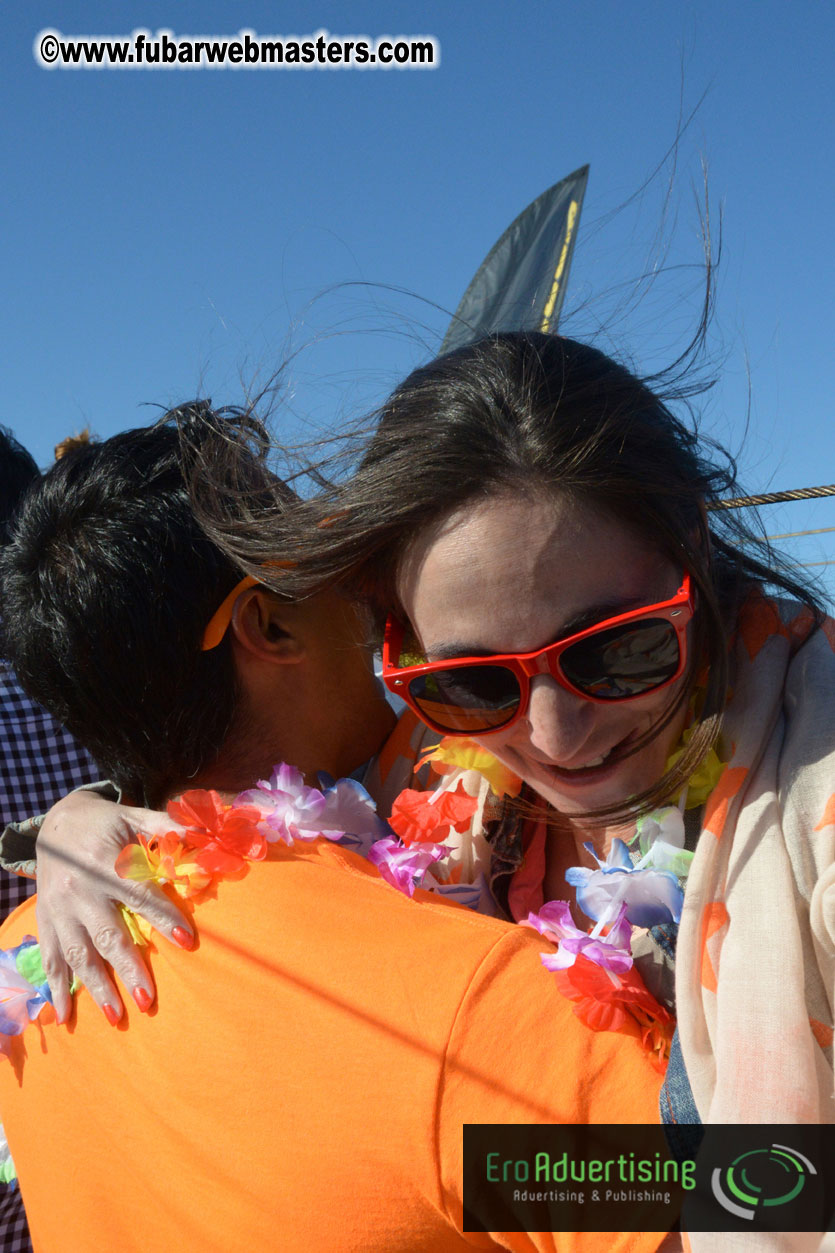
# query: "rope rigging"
[[773, 498]]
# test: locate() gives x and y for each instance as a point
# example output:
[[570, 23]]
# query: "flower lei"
[[217, 840], [214, 840], [595, 969]]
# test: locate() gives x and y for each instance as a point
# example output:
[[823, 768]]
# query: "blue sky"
[[179, 232]]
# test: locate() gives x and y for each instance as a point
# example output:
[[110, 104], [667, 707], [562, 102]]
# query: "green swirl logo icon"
[[761, 1178]]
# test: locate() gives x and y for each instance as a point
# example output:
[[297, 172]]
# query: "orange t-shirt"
[[304, 1077]]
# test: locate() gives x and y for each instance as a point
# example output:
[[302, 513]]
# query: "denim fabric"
[[677, 1104]]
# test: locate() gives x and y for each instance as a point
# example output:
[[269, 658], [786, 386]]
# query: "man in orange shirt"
[[303, 1081], [305, 1077], [109, 586]]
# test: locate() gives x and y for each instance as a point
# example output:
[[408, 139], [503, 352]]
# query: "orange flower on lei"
[[420, 817], [608, 1001], [163, 859], [226, 838]]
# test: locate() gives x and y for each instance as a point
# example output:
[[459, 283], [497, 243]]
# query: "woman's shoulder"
[[763, 617]]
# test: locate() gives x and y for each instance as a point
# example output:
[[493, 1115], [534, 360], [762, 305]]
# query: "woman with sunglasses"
[[537, 528], [541, 535]]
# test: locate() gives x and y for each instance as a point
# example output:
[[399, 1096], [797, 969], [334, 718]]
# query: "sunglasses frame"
[[678, 611], [221, 619]]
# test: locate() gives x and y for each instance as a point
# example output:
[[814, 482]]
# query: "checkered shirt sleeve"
[[39, 763], [14, 1230]]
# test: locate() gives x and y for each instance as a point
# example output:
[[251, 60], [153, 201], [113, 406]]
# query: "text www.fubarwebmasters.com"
[[246, 50]]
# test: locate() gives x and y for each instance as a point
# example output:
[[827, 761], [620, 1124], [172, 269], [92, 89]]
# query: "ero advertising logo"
[[761, 1177], [640, 1177]]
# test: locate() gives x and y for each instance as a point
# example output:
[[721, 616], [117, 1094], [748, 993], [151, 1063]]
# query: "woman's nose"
[[558, 721]]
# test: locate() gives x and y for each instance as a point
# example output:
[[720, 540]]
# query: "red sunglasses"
[[622, 658]]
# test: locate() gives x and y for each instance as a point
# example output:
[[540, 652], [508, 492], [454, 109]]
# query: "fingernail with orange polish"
[[110, 1014], [142, 998], [182, 937]]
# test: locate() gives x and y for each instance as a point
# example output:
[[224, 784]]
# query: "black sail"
[[521, 282]]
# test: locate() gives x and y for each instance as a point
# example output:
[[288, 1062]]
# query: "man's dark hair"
[[17, 471], [109, 583]]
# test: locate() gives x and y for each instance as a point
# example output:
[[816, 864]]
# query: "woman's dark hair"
[[529, 413], [109, 583]]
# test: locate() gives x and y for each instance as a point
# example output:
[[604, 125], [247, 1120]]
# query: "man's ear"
[[262, 625]]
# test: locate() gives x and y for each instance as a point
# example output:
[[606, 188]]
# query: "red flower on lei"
[[421, 817], [225, 838], [606, 1000]]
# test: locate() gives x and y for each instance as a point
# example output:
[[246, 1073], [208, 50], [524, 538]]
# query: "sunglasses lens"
[[467, 699], [625, 661]]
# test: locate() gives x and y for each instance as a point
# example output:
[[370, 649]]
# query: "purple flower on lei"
[[609, 951], [652, 897], [350, 811], [289, 809], [292, 811], [21, 999], [404, 867]]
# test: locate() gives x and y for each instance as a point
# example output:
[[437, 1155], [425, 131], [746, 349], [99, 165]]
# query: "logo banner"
[[649, 1178]]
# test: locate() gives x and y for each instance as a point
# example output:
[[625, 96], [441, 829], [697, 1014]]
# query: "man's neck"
[[254, 747]]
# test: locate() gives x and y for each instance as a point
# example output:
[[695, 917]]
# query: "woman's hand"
[[80, 924]]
